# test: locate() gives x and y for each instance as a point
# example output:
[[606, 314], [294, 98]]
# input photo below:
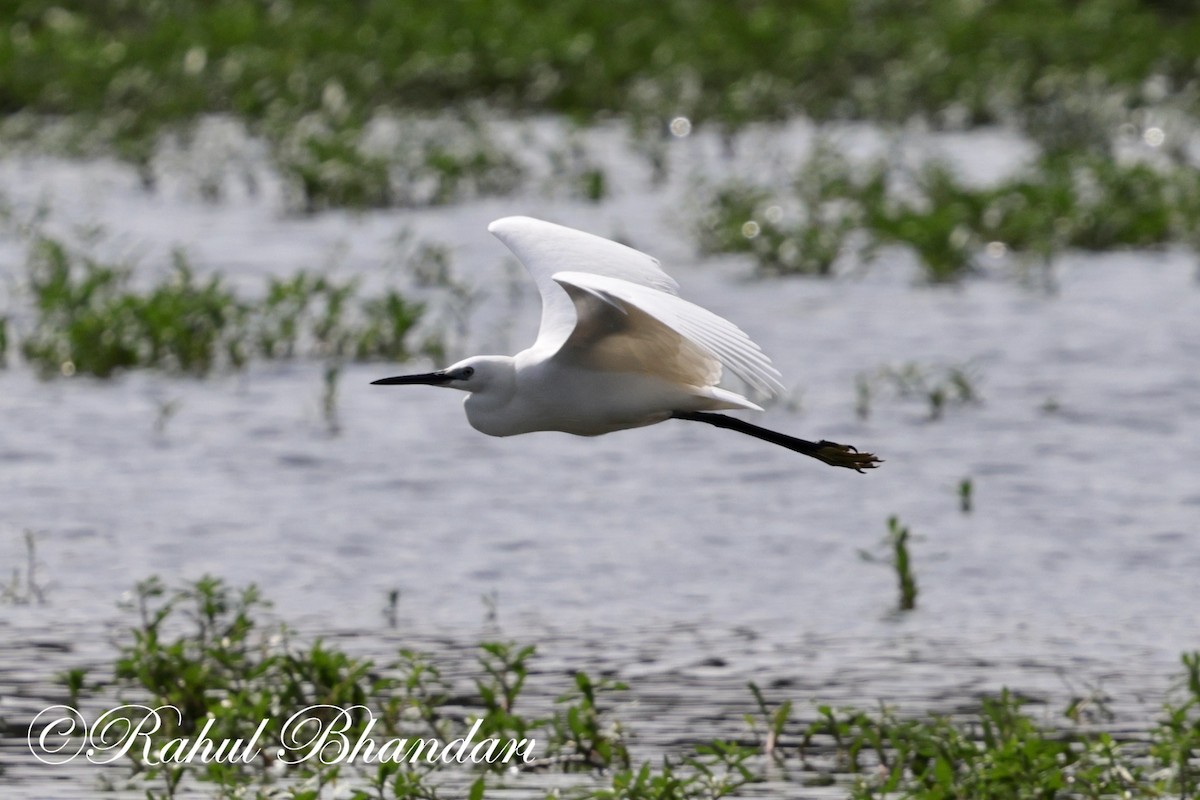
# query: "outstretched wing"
[[545, 249], [625, 326]]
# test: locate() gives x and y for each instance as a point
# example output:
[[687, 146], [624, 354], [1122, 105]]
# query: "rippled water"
[[685, 559]]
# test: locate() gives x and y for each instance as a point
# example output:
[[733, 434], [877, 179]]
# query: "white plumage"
[[617, 348]]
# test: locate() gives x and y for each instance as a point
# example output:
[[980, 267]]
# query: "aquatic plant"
[[133, 71], [329, 407], [939, 386], [1073, 199], [806, 229], [573, 169], [938, 222], [895, 547], [1087, 201], [582, 736], [202, 651], [326, 167], [74, 680], [215, 653], [24, 587], [390, 610], [903, 565], [89, 319], [732, 212], [966, 495], [997, 752], [1176, 740], [332, 162], [505, 669], [774, 721]]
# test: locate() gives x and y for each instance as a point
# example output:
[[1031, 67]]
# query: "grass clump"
[[314, 315], [144, 66], [966, 495], [1176, 740], [939, 387], [1000, 752], [3, 342], [90, 319], [996, 751], [1079, 200], [206, 650], [203, 653], [903, 565], [329, 162], [582, 736], [319, 82], [807, 230], [1092, 202], [24, 587], [899, 559]]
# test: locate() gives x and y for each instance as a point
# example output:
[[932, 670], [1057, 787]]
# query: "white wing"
[[633, 327], [545, 249]]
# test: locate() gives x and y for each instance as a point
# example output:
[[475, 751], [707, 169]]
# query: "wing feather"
[[545, 249], [699, 327], [611, 335]]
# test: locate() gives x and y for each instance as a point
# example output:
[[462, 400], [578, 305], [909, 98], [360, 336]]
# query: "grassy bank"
[[168, 60], [134, 69], [209, 651], [831, 213]]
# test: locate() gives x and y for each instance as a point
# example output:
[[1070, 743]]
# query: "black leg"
[[832, 453]]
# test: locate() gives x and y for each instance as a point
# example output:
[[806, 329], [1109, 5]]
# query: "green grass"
[[807, 228], [939, 387], [996, 753], [328, 161], [24, 587], [3, 342], [311, 77], [895, 554], [1077, 200], [319, 82], [902, 563], [210, 651], [90, 319], [966, 495], [173, 59], [219, 656]]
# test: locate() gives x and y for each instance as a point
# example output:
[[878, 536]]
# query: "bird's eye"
[[468, 372]]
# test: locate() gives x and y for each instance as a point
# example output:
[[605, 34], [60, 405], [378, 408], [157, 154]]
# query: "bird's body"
[[542, 394], [617, 348]]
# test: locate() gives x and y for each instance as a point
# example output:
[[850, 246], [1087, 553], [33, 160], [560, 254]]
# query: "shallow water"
[[648, 553]]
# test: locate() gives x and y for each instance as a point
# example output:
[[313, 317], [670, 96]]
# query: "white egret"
[[617, 348]]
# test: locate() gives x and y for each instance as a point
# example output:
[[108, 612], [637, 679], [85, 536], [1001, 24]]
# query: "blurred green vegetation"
[[375, 103], [91, 319], [832, 209], [140, 65]]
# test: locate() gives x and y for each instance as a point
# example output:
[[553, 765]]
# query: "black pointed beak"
[[427, 378]]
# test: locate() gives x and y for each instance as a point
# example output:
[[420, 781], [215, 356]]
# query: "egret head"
[[475, 374]]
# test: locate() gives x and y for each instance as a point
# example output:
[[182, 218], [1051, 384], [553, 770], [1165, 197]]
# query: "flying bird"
[[617, 348]]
